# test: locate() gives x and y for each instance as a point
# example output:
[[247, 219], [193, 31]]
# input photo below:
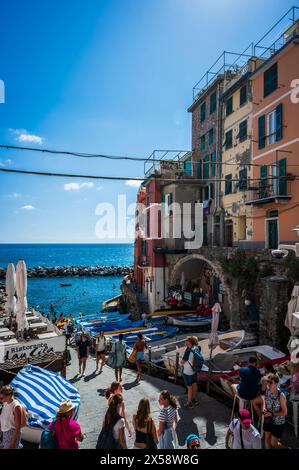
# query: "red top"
[[65, 431]]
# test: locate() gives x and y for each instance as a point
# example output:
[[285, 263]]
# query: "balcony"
[[266, 193]]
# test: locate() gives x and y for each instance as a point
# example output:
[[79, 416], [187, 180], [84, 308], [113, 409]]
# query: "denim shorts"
[[189, 379], [140, 356]]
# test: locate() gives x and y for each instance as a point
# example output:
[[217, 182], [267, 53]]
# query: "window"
[[271, 127], [243, 95], [211, 136], [199, 169], [188, 167], [228, 140], [243, 131], [229, 106], [275, 125], [274, 181], [203, 112], [213, 160], [270, 80], [228, 184], [243, 179], [263, 182], [203, 143], [213, 102], [262, 132], [282, 165], [206, 167]]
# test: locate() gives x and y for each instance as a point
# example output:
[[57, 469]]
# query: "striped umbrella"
[[42, 391]]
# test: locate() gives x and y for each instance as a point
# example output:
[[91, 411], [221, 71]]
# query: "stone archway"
[[216, 267]]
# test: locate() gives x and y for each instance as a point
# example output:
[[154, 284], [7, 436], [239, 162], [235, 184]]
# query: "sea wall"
[[70, 271]]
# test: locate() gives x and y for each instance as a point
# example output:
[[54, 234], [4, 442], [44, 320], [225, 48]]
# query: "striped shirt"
[[168, 416]]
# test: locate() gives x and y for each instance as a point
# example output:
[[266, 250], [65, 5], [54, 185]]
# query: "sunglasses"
[[195, 446]]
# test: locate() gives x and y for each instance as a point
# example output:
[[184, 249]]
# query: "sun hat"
[[65, 406], [244, 416]]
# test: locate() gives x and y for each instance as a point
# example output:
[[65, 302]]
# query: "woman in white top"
[[100, 348], [113, 418], [10, 419], [168, 419]]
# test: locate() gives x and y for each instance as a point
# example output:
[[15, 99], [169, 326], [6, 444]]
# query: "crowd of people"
[[261, 392]]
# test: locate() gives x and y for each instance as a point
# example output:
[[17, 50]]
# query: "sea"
[[86, 294]]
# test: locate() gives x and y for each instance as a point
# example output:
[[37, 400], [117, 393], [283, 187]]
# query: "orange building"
[[274, 188]]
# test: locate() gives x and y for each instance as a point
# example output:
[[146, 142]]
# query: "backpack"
[[106, 439], [47, 440], [197, 360]]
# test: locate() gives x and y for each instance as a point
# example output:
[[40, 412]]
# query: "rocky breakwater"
[[71, 271]]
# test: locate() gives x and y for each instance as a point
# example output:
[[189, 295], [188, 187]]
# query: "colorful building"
[[274, 188]]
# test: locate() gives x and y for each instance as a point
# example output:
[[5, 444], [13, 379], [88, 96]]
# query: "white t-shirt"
[[7, 417], [101, 344], [251, 436], [119, 425], [187, 367]]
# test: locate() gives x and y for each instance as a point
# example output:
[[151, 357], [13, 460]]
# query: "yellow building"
[[237, 157]]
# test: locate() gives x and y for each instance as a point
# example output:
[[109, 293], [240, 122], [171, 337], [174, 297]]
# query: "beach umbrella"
[[290, 321], [213, 338], [21, 284], [10, 287]]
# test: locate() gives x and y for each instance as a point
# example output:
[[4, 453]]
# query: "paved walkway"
[[209, 419]]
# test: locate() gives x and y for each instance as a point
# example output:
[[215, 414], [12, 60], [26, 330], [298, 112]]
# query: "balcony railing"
[[266, 192]]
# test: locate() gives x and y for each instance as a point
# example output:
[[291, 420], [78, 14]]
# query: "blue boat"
[[149, 334]]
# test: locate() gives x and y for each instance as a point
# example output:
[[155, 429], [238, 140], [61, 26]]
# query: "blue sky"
[[104, 76]]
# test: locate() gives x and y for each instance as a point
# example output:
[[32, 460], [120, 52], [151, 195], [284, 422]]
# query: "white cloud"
[[22, 135], [27, 207], [77, 186], [133, 183], [15, 195]]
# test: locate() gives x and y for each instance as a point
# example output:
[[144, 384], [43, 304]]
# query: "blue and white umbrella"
[[42, 391]]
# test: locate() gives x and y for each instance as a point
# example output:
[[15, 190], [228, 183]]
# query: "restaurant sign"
[[34, 350]]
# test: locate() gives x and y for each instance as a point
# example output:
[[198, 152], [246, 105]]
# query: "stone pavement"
[[209, 419]]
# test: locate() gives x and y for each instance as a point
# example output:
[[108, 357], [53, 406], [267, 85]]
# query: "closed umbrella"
[[10, 287], [293, 307], [213, 339], [21, 284]]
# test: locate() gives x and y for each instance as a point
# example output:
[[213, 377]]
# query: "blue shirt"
[[250, 376]]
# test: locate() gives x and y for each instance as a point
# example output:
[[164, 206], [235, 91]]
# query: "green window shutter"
[[282, 165], [262, 132], [188, 166], [228, 184], [199, 169], [163, 198], [279, 122], [243, 95], [263, 182], [202, 143], [203, 112], [206, 170], [243, 179], [213, 159], [270, 80]]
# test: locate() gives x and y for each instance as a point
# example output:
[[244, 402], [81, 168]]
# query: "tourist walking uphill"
[[83, 345], [139, 347], [100, 350], [66, 431], [117, 357], [244, 435]]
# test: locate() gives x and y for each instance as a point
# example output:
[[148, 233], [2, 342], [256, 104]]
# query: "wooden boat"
[[149, 334], [168, 313], [191, 321], [227, 342]]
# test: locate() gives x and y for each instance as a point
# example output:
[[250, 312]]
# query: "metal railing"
[[269, 190]]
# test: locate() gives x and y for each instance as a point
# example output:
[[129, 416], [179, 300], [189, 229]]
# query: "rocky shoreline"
[[71, 271]]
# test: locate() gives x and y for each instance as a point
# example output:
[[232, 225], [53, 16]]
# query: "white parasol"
[[213, 338], [21, 284], [183, 281], [10, 287], [290, 321]]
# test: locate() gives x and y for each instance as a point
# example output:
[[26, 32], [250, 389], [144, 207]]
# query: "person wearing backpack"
[[244, 435], [112, 435], [192, 363], [12, 419], [65, 431]]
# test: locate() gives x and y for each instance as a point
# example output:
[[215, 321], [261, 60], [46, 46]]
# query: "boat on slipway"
[[170, 313], [149, 334], [190, 321]]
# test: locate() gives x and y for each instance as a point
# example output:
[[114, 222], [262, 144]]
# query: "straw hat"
[[65, 407]]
